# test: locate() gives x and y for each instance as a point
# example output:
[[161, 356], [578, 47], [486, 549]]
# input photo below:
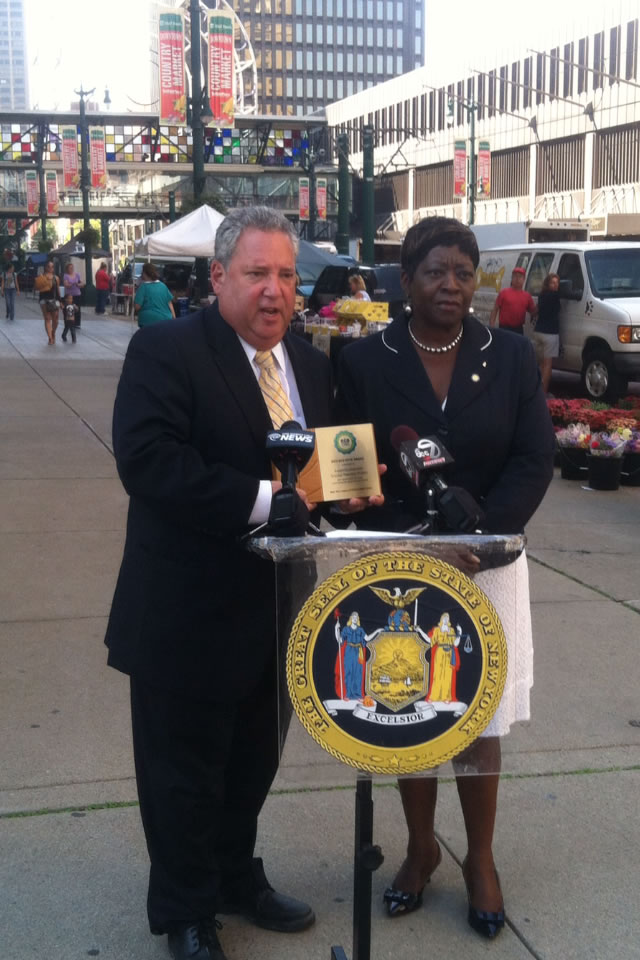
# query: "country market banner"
[[173, 96], [70, 166], [51, 179], [303, 198], [459, 168], [321, 198], [221, 70], [484, 168], [98, 158], [33, 193]]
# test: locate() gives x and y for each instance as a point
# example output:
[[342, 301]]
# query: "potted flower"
[[573, 443], [630, 475], [604, 460]]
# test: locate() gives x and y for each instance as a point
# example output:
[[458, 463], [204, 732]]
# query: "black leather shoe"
[[254, 896], [199, 941]]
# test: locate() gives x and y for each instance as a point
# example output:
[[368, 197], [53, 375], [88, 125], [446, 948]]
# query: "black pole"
[[85, 184], [368, 228], [172, 206], [197, 130], [342, 236], [313, 207], [472, 169], [41, 183]]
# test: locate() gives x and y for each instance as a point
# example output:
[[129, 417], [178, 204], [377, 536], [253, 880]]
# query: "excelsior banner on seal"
[[303, 198], [33, 193], [173, 96], [460, 168], [221, 68], [484, 169], [70, 165], [321, 198], [98, 158], [51, 180]]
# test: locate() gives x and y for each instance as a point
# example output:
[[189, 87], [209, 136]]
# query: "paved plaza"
[[73, 861]]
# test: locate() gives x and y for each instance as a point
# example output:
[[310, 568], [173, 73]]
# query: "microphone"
[[420, 459], [290, 449]]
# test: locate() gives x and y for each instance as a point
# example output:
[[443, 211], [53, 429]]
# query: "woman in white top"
[[357, 288]]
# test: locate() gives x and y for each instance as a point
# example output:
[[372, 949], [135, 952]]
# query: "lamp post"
[[85, 183]]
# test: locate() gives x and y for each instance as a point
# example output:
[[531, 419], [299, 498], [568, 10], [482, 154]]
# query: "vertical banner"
[[460, 168], [33, 193], [321, 198], [70, 165], [484, 169], [11, 227], [173, 95], [98, 158], [303, 198], [51, 180], [221, 69]]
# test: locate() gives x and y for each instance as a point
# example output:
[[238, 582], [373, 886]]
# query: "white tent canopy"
[[190, 236]]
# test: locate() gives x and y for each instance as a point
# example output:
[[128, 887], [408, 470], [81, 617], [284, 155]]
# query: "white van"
[[600, 314]]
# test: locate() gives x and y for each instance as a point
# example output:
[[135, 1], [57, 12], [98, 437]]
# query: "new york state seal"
[[396, 663]]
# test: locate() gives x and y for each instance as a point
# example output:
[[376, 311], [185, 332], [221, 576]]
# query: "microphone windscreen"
[[403, 434], [290, 425]]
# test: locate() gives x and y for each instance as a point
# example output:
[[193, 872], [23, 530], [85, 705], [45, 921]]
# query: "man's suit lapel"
[[235, 369]]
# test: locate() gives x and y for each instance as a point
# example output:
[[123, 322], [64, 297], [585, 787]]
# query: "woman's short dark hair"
[[149, 270], [436, 232]]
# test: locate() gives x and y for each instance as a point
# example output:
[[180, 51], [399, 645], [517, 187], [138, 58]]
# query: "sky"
[[93, 44], [108, 44]]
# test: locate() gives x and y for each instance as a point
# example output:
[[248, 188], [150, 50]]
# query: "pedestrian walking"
[[70, 314], [73, 284], [10, 289], [48, 286], [103, 286]]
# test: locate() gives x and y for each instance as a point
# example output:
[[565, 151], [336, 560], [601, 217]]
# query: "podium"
[[397, 653]]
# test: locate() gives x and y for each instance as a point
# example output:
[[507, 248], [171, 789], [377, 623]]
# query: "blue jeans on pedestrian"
[[10, 300], [101, 300]]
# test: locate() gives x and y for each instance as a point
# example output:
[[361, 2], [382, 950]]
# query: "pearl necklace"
[[449, 346]]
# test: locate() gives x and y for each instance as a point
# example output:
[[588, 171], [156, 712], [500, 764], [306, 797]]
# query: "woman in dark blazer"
[[443, 374]]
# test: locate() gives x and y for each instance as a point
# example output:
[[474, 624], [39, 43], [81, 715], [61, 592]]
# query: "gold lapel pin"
[[475, 377]]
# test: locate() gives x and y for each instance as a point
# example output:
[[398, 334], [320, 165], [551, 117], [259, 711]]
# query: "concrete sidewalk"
[[73, 865]]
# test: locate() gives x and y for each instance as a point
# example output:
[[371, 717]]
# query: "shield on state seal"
[[397, 670]]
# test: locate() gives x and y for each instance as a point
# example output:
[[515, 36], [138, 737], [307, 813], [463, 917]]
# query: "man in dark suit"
[[192, 620]]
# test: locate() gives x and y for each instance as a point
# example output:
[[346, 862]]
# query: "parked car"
[[382, 282], [600, 313]]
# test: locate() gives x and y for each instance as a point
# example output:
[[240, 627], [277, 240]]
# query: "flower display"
[[633, 443], [605, 444], [576, 436], [598, 416]]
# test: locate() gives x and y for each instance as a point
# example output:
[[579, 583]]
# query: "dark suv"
[[382, 283]]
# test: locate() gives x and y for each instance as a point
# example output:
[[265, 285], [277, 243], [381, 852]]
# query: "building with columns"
[[562, 124]]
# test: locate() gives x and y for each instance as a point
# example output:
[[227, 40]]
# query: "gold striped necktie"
[[275, 396]]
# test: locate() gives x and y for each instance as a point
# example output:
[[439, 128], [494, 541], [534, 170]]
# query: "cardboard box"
[[362, 311]]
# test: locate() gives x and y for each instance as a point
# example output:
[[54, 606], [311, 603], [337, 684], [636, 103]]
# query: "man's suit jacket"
[[495, 423], [193, 610]]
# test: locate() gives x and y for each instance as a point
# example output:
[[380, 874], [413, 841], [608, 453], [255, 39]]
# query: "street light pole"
[[197, 131], [85, 184]]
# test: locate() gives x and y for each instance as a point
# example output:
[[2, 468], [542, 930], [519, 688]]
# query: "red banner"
[[51, 180], [11, 226], [98, 158], [321, 198], [173, 95], [460, 168], [221, 69], [303, 198], [484, 169], [33, 193], [70, 166]]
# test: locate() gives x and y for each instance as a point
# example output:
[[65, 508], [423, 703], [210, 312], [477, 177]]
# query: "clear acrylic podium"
[[398, 652]]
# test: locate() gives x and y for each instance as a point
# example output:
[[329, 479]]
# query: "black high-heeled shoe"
[[488, 923], [400, 902]]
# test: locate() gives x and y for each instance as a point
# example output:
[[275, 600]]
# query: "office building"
[[14, 86]]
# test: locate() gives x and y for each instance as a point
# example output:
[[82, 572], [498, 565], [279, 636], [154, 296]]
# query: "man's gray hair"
[[249, 218]]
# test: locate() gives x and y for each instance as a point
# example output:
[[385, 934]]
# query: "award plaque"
[[344, 464], [396, 663]]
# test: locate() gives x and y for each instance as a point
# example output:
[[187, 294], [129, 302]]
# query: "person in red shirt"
[[103, 285], [512, 304]]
